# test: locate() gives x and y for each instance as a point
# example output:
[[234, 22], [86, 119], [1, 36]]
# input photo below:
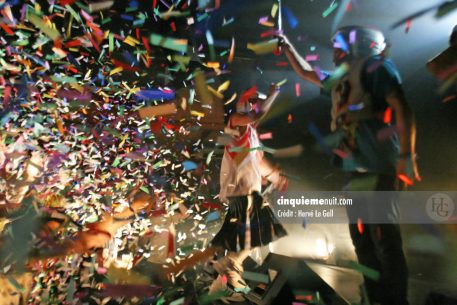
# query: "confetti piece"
[[39, 23], [144, 189], [274, 10], [202, 89], [197, 113], [360, 225], [100, 6], [151, 94], [340, 153], [266, 136], [330, 9], [344, 7], [232, 52], [224, 86], [210, 40], [116, 161], [153, 111], [189, 165], [179, 45], [208, 158], [313, 57], [129, 290], [288, 152], [388, 115], [297, 89], [404, 178], [356, 107], [213, 216], [116, 70], [449, 98], [60, 127], [262, 48], [291, 19], [281, 82], [366, 271], [7, 29]]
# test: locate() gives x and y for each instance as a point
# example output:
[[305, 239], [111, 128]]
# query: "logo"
[[440, 207]]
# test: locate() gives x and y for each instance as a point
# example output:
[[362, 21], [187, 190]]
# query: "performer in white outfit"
[[249, 222]]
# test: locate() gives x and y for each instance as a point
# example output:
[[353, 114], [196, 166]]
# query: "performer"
[[249, 222], [367, 87], [444, 65]]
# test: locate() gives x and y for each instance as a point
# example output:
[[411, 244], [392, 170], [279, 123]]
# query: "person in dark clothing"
[[366, 89]]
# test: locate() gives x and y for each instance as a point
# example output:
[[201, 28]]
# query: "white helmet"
[[359, 41]]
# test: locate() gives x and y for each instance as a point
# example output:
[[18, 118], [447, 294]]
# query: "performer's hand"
[[283, 41], [279, 181], [273, 89]]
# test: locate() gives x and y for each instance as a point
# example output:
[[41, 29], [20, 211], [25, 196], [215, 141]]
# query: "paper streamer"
[[291, 19], [262, 48], [152, 111], [174, 44], [201, 87], [155, 95], [39, 23]]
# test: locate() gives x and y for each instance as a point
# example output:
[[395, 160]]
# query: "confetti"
[[179, 45], [266, 136], [288, 152], [153, 111], [262, 48], [39, 23], [100, 6], [291, 19], [330, 9], [366, 271], [189, 165]]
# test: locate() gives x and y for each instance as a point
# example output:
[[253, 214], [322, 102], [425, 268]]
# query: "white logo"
[[440, 207]]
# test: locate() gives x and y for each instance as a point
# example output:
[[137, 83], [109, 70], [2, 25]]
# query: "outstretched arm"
[[299, 64], [254, 117]]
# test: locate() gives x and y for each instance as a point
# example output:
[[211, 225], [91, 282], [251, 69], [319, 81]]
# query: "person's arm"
[[271, 173], [254, 117], [101, 232], [272, 95], [298, 63], [406, 129]]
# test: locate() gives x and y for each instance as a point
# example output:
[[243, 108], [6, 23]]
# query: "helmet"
[[359, 41]]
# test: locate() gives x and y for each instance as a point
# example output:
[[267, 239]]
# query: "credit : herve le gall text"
[[305, 213]]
